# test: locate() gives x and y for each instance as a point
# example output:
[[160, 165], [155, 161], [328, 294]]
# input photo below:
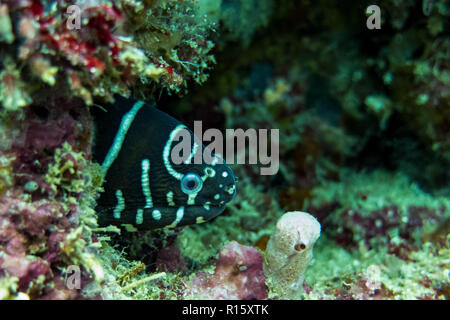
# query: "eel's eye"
[[191, 183]]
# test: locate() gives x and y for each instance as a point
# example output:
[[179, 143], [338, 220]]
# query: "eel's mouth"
[[162, 216], [200, 214]]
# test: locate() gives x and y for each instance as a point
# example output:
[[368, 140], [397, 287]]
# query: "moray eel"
[[143, 188]]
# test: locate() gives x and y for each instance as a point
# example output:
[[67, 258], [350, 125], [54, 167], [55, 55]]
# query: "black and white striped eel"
[[143, 188]]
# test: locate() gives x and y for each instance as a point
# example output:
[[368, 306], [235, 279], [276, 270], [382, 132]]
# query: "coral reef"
[[57, 58], [356, 156], [364, 147]]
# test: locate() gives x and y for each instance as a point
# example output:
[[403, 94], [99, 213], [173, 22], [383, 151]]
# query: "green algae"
[[334, 267]]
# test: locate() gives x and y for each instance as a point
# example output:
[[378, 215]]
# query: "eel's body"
[[144, 188]]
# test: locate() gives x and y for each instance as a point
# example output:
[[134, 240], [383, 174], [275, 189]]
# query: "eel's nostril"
[[230, 190]]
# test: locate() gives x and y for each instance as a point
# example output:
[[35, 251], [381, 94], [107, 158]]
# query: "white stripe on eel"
[[178, 218], [209, 173], [166, 152], [200, 220], [146, 184], [169, 197], [193, 152], [217, 158], [129, 227], [230, 190], [156, 214], [127, 120], [120, 204], [139, 216], [191, 198]]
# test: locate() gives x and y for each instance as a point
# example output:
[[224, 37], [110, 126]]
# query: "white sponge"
[[289, 252]]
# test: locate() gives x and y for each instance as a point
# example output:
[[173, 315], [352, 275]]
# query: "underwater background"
[[360, 206]]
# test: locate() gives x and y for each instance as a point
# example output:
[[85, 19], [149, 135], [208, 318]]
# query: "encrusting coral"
[[238, 275]]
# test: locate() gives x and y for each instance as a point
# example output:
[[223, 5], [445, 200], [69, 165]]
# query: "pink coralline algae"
[[35, 247], [169, 259], [45, 217], [238, 275], [45, 130]]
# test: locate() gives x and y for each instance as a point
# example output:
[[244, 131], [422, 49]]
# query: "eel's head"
[[149, 183]]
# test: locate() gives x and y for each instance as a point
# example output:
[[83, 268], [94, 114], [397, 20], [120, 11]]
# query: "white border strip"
[[146, 184], [127, 120]]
